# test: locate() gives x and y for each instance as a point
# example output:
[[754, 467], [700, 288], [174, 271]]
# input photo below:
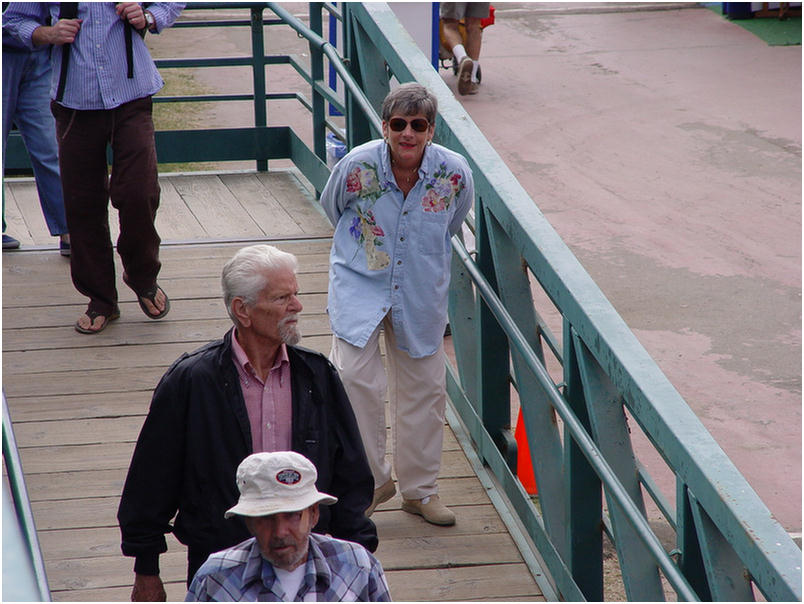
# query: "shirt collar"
[[428, 157], [317, 566], [241, 358], [258, 569]]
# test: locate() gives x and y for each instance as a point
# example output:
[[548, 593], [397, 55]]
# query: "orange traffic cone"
[[524, 468]]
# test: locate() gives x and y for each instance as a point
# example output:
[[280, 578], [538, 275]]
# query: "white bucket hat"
[[272, 483]]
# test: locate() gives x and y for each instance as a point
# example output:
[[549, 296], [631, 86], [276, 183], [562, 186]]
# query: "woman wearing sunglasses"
[[395, 203]]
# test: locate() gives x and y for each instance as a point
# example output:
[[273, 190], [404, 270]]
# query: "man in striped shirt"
[[103, 78], [284, 561]]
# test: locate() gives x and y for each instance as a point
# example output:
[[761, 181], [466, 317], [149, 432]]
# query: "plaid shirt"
[[335, 571]]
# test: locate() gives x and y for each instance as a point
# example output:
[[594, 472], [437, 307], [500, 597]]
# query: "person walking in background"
[[26, 103], [101, 87], [467, 57], [284, 561], [253, 391], [395, 203]]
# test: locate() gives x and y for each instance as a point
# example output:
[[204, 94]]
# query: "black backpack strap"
[[67, 10], [129, 43], [129, 50]]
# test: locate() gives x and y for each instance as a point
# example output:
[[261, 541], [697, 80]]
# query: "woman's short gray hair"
[[410, 99], [247, 273]]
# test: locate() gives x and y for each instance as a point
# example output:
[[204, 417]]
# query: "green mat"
[[773, 31]]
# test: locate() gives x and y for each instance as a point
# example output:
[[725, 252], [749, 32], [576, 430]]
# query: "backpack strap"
[[67, 10], [129, 43], [129, 51]]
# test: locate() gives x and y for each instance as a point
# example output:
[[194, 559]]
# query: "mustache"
[[284, 321], [279, 543]]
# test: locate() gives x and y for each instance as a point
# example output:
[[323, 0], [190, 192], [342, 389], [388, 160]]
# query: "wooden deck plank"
[[220, 213], [78, 402], [476, 515], [18, 295], [306, 212], [18, 321], [117, 455], [129, 355], [506, 581], [137, 332], [27, 198], [261, 205], [397, 554], [77, 406], [15, 221], [87, 382], [175, 217]]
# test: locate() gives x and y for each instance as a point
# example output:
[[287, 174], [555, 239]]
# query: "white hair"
[[248, 273]]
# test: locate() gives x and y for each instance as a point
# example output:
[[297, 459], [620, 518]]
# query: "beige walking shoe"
[[465, 83], [433, 511], [381, 495]]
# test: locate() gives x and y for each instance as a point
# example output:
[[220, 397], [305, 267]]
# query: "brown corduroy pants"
[[133, 189]]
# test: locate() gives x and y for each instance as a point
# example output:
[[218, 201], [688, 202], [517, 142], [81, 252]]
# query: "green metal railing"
[[727, 542], [591, 482]]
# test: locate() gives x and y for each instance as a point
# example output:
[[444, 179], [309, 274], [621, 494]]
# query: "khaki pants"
[[417, 392]]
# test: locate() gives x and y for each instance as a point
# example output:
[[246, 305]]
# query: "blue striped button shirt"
[[335, 571], [97, 75]]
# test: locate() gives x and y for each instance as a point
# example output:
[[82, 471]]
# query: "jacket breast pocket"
[[433, 231]]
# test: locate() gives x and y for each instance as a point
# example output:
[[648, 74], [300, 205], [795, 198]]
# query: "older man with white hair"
[[252, 391], [284, 560]]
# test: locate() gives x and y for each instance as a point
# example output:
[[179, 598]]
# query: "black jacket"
[[196, 434]]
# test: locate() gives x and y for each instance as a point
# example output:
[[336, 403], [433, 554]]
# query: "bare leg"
[[474, 36], [452, 36]]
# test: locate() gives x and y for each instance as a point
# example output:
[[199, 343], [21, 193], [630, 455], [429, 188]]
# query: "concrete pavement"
[[664, 146]]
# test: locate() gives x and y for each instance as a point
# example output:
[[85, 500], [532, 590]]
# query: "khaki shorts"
[[459, 10]]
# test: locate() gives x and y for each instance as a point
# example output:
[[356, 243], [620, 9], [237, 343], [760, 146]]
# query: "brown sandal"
[[94, 315], [150, 295]]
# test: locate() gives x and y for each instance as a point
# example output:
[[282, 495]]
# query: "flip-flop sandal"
[[150, 295], [94, 315]]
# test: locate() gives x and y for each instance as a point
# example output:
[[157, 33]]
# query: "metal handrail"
[[587, 445], [772, 558], [22, 510]]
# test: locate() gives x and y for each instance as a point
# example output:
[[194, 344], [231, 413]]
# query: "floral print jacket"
[[392, 253]]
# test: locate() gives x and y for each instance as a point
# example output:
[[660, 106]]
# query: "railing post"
[[690, 560], [494, 388], [258, 74], [317, 75], [584, 496], [358, 130]]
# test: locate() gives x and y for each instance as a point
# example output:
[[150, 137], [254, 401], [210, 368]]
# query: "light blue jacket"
[[390, 253]]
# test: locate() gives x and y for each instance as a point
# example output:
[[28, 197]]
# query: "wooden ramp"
[[77, 402]]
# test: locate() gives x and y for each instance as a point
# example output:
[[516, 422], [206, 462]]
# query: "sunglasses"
[[418, 124]]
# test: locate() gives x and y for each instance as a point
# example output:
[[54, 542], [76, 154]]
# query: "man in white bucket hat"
[[285, 560]]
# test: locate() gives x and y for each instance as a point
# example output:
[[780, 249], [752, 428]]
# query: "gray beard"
[[290, 334]]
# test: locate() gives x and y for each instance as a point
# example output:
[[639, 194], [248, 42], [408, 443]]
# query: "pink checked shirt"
[[268, 404]]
